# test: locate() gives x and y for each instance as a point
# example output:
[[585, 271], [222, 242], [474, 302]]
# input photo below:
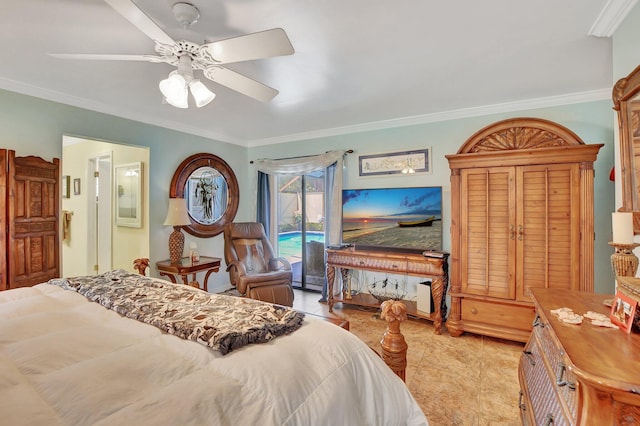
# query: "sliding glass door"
[[301, 226]]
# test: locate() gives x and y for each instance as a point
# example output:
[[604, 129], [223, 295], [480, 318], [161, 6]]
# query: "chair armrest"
[[273, 264], [239, 267]]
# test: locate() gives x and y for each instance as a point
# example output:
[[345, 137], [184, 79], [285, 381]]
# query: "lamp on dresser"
[[623, 261], [177, 216]]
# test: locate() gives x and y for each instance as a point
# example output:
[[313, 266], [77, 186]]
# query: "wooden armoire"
[[521, 217], [29, 242]]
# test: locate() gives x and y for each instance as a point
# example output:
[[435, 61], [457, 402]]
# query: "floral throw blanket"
[[223, 323]]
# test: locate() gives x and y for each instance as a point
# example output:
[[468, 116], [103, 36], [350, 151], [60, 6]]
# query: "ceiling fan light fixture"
[[201, 94], [173, 86], [174, 89]]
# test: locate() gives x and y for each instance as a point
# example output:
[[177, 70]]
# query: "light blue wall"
[[626, 45], [592, 121], [32, 126]]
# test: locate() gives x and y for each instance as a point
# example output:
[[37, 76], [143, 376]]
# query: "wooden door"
[[548, 230], [488, 239], [33, 210]]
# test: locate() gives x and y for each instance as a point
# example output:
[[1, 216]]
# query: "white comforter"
[[67, 361]]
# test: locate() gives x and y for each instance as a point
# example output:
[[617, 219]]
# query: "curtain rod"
[[348, 151]]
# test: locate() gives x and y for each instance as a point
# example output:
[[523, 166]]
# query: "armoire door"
[[488, 214], [33, 205], [548, 227]]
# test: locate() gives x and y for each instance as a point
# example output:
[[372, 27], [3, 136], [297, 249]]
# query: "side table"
[[185, 267]]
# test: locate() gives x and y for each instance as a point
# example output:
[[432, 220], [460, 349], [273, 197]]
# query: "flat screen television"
[[393, 218]]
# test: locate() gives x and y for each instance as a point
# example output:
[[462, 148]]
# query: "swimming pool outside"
[[290, 243]]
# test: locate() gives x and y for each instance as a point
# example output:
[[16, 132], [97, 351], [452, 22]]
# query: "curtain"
[[299, 165], [263, 214], [332, 163]]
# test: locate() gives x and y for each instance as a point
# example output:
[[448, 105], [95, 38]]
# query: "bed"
[[71, 356]]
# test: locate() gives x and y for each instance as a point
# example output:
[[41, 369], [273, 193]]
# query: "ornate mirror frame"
[[179, 181], [626, 101]]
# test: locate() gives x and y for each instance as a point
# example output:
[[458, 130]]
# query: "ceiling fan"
[[208, 57]]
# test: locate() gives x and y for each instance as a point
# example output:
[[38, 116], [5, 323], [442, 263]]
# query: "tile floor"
[[466, 380]]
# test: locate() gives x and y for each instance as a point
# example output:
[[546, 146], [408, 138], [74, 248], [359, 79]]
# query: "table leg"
[[331, 275], [171, 276], [346, 283], [437, 289], [206, 277]]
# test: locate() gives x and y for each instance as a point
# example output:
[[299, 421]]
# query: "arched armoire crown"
[[522, 217]]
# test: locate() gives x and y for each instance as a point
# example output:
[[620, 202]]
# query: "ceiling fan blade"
[[99, 57], [137, 17], [240, 83], [264, 44]]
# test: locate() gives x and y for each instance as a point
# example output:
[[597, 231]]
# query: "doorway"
[[301, 230], [96, 243], [99, 216]]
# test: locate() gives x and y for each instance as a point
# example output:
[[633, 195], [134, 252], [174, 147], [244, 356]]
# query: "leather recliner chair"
[[253, 268]]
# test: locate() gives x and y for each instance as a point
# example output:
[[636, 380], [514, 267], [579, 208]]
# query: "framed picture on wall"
[[76, 186], [395, 163], [66, 186], [128, 194]]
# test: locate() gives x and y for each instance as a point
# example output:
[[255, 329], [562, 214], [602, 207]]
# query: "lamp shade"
[[174, 89], [201, 94], [177, 215]]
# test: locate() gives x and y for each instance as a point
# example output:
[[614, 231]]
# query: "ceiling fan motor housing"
[[186, 13]]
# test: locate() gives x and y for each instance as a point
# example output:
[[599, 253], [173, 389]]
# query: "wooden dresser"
[[521, 217], [578, 374]]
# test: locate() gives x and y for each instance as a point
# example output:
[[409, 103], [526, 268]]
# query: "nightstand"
[[185, 267]]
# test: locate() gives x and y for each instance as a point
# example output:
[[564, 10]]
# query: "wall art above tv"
[[401, 218]]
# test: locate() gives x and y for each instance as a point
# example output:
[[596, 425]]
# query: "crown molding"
[[51, 95], [572, 98], [611, 15]]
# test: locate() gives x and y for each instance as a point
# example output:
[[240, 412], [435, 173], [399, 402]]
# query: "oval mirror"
[[211, 189]]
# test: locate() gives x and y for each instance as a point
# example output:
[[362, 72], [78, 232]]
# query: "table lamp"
[[177, 216], [623, 261]]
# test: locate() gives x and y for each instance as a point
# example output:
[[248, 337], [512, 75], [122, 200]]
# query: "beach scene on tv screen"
[[393, 217]]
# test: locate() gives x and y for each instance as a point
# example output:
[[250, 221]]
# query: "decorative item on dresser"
[[431, 265], [522, 217], [29, 240], [623, 261], [578, 374]]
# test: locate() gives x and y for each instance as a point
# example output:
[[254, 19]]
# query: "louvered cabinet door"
[[548, 227], [488, 237]]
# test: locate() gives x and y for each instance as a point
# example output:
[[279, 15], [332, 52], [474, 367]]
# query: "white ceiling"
[[358, 64]]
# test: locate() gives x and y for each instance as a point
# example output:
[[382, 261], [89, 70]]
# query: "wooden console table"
[[401, 262], [186, 267]]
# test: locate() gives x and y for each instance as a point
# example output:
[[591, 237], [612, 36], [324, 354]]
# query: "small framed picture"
[[76, 186], [622, 311], [66, 192]]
